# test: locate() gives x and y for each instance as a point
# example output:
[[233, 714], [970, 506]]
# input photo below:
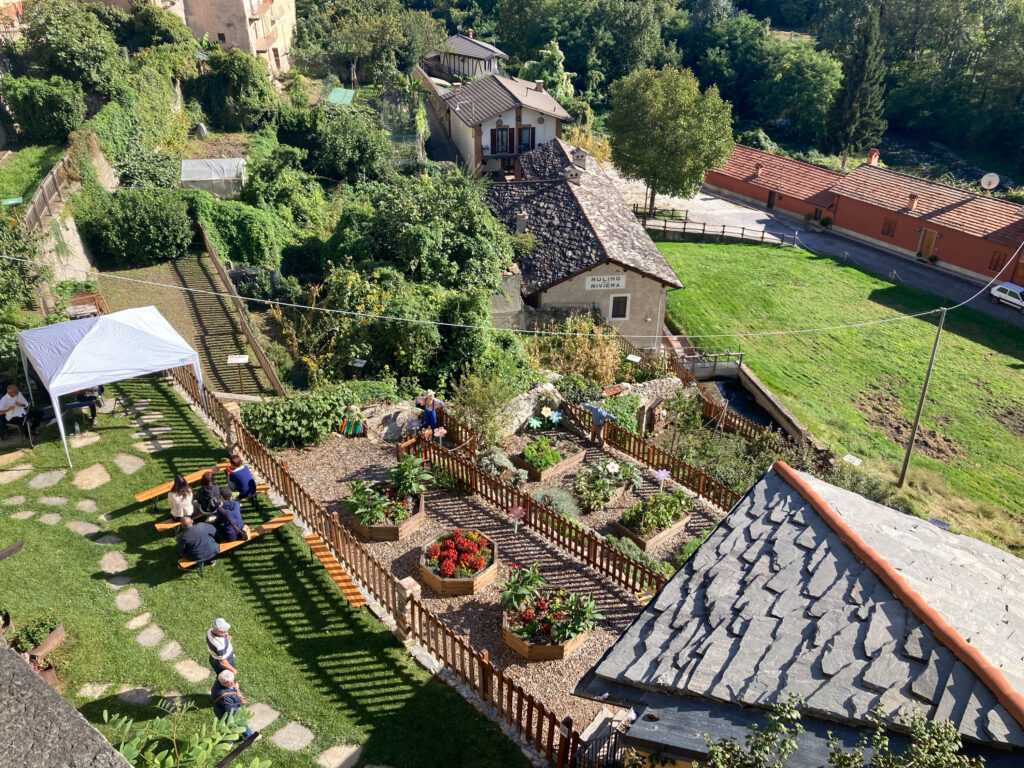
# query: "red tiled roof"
[[977, 215], [782, 174]]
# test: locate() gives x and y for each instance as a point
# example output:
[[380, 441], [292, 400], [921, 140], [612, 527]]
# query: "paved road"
[[705, 207]]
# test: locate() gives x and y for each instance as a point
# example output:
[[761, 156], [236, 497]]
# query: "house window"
[[526, 138], [277, 59], [502, 141], [998, 261], [620, 308], [817, 213], [889, 227], [221, 38]]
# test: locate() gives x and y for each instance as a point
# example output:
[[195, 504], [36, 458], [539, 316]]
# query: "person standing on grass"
[[197, 542], [598, 416], [227, 697], [240, 479], [229, 521], [218, 643]]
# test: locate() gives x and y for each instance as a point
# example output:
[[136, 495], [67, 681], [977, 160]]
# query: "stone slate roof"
[[41, 729], [775, 603], [576, 225], [978, 215], [461, 45], [480, 100], [788, 177]]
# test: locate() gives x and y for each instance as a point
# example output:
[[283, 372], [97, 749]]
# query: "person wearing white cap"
[[222, 653], [227, 697]]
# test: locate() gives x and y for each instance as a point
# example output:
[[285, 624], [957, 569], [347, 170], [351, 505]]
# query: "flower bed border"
[[53, 640], [660, 536], [540, 651], [540, 476], [451, 586], [390, 532]]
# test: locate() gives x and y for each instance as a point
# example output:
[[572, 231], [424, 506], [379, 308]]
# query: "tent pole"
[[55, 401], [24, 367]]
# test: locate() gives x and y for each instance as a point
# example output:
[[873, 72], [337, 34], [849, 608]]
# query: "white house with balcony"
[[464, 57]]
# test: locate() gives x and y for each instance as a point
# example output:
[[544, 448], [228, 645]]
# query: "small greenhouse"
[[221, 177]]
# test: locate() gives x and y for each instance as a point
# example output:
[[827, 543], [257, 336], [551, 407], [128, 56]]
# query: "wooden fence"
[[51, 188], [561, 531], [460, 434], [712, 411], [553, 738], [668, 221]]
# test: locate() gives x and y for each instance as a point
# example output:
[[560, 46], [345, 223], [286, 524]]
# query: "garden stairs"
[[218, 331]]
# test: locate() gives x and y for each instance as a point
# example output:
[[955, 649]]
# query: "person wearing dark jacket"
[[197, 542], [229, 517], [208, 495], [240, 478], [227, 698]]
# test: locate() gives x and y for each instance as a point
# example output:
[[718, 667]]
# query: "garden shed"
[[221, 177]]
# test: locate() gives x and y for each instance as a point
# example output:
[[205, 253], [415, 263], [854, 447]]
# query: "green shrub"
[[246, 234], [65, 289], [139, 227], [281, 358], [559, 501], [45, 110], [577, 389], [628, 547], [371, 506], [301, 419], [372, 391], [624, 408], [33, 632], [541, 454], [452, 484], [599, 480], [657, 513], [687, 550], [236, 93], [141, 169], [350, 146], [496, 463]]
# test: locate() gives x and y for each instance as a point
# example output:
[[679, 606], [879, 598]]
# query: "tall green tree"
[[857, 118], [665, 132], [551, 69], [798, 88]]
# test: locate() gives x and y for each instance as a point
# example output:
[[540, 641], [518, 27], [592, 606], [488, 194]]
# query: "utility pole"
[[920, 405]]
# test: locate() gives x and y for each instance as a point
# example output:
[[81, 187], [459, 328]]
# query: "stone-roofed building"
[[41, 729], [590, 250], [809, 589], [464, 56]]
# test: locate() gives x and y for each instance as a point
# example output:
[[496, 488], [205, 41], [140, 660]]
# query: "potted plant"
[[459, 563], [545, 457], [603, 480], [392, 511], [38, 636], [655, 519], [540, 624]]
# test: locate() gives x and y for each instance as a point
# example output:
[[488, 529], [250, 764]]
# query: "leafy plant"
[[540, 617], [628, 547], [597, 482], [588, 349], [686, 551], [34, 631], [496, 463], [410, 477], [65, 289], [139, 227], [371, 506], [459, 554], [658, 512], [559, 501], [577, 389], [541, 454], [583, 616], [521, 586], [450, 483], [624, 408], [45, 110]]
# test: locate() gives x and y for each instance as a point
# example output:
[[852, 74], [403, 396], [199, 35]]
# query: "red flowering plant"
[[544, 616], [459, 554]]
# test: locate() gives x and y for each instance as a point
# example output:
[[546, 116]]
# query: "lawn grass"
[[299, 648], [172, 303], [976, 388], [22, 174]]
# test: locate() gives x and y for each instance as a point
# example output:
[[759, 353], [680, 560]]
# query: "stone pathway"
[[83, 528], [129, 464], [152, 446], [53, 501], [23, 515], [92, 477], [14, 501], [8, 476], [84, 439], [88, 506], [50, 519], [46, 479]]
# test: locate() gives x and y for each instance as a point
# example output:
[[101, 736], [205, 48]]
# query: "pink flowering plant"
[[459, 554], [544, 616]]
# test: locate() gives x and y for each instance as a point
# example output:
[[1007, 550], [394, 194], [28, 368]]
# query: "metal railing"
[[51, 189]]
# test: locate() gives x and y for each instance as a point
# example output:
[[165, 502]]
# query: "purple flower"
[[662, 475]]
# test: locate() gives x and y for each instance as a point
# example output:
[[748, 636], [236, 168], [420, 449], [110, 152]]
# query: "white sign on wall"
[[606, 282]]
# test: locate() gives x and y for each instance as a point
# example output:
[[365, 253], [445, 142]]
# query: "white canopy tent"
[[80, 354]]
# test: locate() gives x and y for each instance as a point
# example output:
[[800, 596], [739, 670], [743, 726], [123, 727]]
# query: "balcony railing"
[[258, 8]]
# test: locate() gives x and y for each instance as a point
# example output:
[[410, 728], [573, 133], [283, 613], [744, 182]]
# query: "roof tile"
[[782, 174]]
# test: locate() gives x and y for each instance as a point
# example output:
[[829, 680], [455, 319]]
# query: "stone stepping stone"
[[14, 501], [84, 439], [119, 581], [139, 621], [262, 716], [192, 670], [83, 528], [150, 637], [91, 477], [53, 501], [293, 737], [108, 540], [14, 474], [152, 446], [87, 505], [129, 464], [138, 406], [93, 690], [46, 479], [170, 651], [51, 518], [23, 515], [341, 756], [137, 696], [149, 418], [10, 458], [113, 562], [152, 432], [128, 601]]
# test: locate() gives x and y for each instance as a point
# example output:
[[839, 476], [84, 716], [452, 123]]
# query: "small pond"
[[743, 403]]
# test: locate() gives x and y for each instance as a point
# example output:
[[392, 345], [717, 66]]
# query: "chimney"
[[758, 168], [470, 33], [873, 156], [539, 85], [521, 218], [579, 159], [457, 88], [574, 175], [912, 202]]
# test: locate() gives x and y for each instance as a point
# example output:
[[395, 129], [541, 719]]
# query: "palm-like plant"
[[410, 477]]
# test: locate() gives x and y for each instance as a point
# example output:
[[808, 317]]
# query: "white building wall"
[[462, 137]]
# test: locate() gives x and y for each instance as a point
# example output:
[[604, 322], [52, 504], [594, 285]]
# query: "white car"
[[1008, 293]]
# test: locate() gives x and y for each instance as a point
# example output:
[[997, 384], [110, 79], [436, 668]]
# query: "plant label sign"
[[238, 359], [606, 282], [355, 362]]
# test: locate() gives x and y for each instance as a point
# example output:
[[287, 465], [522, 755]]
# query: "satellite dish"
[[990, 181]]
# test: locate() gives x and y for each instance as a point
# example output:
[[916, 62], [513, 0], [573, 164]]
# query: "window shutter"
[[494, 140]]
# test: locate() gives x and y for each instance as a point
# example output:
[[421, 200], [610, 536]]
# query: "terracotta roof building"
[[809, 589], [774, 181]]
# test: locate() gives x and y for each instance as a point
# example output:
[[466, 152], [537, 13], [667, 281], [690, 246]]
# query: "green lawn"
[[976, 398], [299, 648], [20, 176]]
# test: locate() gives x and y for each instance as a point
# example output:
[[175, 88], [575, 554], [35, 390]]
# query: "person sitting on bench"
[[240, 479], [180, 499], [208, 495], [229, 521], [88, 398], [14, 410], [197, 542]]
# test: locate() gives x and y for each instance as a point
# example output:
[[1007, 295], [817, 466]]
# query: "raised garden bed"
[[653, 541], [460, 582], [390, 511], [656, 519], [540, 651], [391, 531], [572, 456]]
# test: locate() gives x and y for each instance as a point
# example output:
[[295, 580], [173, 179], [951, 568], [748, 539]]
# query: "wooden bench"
[[227, 546], [172, 522], [164, 488]]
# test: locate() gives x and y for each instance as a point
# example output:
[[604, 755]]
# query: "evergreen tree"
[[857, 116]]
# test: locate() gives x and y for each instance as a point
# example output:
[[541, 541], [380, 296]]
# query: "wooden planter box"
[[539, 476], [389, 532], [475, 584], [539, 651], [660, 536], [55, 638], [617, 494]]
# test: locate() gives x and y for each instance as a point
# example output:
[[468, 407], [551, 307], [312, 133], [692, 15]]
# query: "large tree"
[[797, 89], [665, 132], [857, 116], [551, 69]]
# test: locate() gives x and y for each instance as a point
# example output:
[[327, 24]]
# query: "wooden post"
[[486, 670], [563, 743], [405, 590]]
